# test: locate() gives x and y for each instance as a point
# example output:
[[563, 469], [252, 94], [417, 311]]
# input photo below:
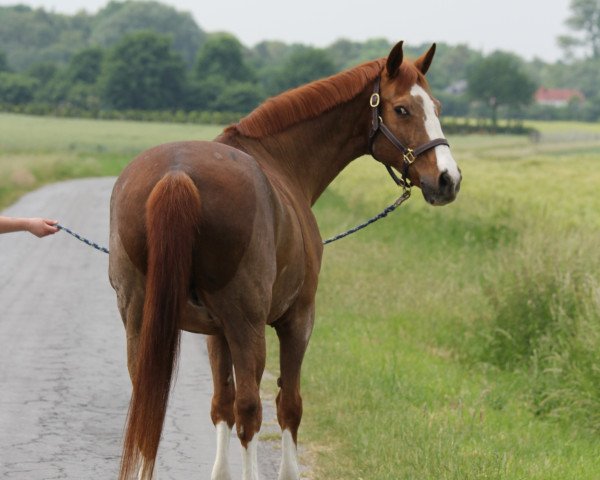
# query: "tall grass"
[[544, 292]]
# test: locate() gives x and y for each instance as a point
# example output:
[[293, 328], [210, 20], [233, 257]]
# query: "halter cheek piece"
[[409, 155]]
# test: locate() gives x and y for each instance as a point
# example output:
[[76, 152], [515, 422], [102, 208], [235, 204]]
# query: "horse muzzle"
[[442, 191]]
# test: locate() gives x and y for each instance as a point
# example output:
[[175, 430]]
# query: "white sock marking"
[[221, 467], [250, 460], [445, 161], [289, 458]]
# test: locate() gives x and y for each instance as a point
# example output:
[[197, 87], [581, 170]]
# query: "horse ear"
[[424, 61], [395, 60]]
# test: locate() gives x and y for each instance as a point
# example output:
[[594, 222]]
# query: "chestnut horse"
[[218, 238]]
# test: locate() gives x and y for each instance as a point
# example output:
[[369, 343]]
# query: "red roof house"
[[558, 97]]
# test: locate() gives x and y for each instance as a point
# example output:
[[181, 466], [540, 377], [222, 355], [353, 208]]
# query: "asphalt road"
[[64, 387]]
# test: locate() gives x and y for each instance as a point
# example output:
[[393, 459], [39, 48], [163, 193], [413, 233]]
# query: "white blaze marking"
[[289, 458], [221, 467], [445, 161], [250, 460]]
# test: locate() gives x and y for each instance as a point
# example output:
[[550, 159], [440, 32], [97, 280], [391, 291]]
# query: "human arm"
[[40, 227]]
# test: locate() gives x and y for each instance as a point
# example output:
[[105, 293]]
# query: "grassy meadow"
[[40, 150], [460, 342]]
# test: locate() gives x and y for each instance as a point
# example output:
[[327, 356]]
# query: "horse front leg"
[[221, 412], [294, 332]]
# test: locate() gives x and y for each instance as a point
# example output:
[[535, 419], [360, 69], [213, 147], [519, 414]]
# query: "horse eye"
[[400, 110]]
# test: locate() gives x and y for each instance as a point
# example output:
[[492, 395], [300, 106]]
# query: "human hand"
[[41, 227]]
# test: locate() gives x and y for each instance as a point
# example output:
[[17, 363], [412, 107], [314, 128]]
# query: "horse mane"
[[308, 101]]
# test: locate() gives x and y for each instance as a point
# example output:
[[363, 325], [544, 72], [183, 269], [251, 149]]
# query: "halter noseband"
[[409, 155]]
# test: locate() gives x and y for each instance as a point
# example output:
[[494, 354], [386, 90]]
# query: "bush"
[[545, 320], [16, 89], [73, 111], [466, 126]]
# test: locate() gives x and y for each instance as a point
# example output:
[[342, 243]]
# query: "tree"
[[43, 71], [16, 89], [238, 97], [223, 56], [450, 65], [3, 62], [499, 79], [585, 21], [73, 83], [304, 65], [346, 53], [142, 72], [33, 36], [118, 19], [224, 81], [268, 54], [85, 66]]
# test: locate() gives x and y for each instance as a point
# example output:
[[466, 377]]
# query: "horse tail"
[[172, 222]]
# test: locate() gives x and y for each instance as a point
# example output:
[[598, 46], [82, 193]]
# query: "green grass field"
[[460, 342], [39, 150]]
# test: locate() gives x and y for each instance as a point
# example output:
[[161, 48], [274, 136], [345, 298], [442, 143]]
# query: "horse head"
[[406, 133]]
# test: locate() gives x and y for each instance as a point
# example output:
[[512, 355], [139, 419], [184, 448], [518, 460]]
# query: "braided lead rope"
[[82, 239], [405, 196]]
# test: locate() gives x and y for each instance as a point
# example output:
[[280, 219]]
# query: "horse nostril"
[[445, 182]]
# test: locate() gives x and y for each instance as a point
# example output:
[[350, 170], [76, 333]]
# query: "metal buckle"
[[374, 100], [409, 156]]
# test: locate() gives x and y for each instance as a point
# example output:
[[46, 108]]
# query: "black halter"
[[409, 155]]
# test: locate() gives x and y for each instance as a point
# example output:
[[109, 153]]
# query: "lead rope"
[[82, 239], [401, 199], [389, 209]]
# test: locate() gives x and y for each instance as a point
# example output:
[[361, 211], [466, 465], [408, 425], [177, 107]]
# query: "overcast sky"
[[526, 27]]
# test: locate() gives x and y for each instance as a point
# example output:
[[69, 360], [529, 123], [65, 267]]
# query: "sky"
[[526, 27]]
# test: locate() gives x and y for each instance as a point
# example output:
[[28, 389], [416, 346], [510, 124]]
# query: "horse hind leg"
[[221, 413], [248, 352], [293, 332], [131, 313], [129, 285]]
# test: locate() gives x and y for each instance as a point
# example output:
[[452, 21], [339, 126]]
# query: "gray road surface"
[[64, 388]]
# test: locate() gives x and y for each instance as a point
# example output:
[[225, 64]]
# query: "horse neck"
[[310, 154]]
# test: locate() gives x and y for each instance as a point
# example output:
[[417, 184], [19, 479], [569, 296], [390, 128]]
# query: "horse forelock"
[[408, 76], [308, 101]]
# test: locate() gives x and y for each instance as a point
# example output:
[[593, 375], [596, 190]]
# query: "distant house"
[[558, 97], [457, 88]]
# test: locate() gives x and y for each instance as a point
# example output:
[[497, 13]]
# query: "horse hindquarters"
[[172, 215]]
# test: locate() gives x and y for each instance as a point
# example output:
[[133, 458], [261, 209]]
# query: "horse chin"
[[438, 200]]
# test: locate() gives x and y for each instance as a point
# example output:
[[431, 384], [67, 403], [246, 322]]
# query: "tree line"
[[149, 57]]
